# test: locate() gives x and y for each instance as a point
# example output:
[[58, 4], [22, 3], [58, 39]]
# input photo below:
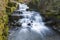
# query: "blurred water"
[[32, 26]]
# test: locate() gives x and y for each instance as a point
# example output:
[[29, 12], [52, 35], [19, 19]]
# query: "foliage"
[[3, 25], [3, 20], [11, 6]]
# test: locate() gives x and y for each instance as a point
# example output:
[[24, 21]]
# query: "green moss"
[[3, 26], [11, 4]]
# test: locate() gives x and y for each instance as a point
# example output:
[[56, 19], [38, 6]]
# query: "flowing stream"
[[32, 26]]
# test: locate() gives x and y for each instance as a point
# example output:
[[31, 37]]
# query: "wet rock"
[[17, 12], [29, 24], [13, 19]]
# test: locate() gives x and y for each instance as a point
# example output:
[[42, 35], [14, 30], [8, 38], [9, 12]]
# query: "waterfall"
[[32, 25]]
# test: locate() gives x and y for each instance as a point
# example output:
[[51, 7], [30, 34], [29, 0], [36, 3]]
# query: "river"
[[32, 26]]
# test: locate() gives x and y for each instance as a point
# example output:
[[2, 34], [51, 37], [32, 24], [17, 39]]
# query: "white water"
[[32, 26]]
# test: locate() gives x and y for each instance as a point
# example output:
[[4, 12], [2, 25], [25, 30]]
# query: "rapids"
[[32, 26]]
